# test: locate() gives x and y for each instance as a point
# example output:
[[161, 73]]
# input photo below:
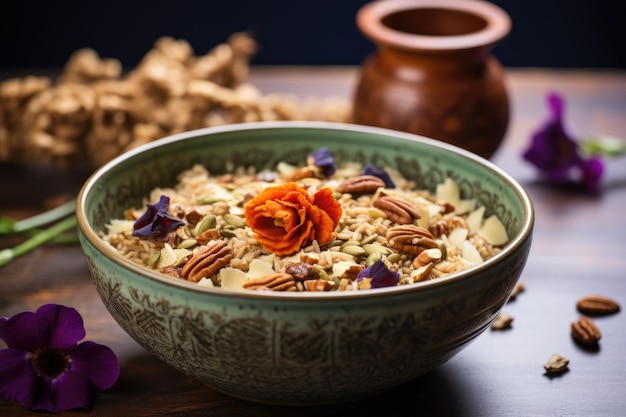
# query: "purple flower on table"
[[155, 221], [377, 276], [557, 155], [370, 169], [44, 367], [323, 159]]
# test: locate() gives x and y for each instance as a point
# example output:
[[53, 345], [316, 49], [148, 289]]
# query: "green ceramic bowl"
[[302, 348]]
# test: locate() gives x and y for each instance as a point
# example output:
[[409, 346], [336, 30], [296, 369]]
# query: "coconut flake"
[[493, 231]]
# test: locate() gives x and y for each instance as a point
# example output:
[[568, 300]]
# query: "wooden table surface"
[[579, 248]]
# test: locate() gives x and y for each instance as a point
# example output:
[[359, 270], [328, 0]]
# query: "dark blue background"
[[38, 34]]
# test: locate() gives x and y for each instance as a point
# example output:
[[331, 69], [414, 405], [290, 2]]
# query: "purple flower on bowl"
[[44, 367], [370, 169], [323, 159], [378, 276], [155, 221], [557, 155]]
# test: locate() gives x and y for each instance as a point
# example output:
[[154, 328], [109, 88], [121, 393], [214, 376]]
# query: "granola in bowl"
[[310, 227]]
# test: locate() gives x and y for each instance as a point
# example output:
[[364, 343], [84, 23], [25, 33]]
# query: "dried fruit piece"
[[585, 331], [300, 271], [597, 305], [556, 364]]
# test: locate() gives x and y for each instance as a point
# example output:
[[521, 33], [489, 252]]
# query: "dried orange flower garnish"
[[286, 217]]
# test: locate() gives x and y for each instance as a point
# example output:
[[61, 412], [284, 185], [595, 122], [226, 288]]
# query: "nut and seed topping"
[[519, 288], [556, 364], [397, 210], [597, 305], [363, 184], [439, 228], [427, 256], [422, 273], [410, 239], [319, 285], [280, 281], [503, 321], [207, 262], [585, 331]]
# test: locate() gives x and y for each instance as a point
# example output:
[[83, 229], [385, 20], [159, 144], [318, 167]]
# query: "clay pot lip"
[[370, 22]]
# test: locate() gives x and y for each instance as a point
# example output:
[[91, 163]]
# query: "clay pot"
[[433, 73]]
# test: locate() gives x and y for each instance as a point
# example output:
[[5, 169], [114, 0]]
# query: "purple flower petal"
[[370, 169], [67, 392], [380, 275], [591, 174], [66, 325], [17, 375], [552, 150], [160, 206], [557, 155], [44, 368], [155, 221], [25, 331], [322, 158], [96, 362]]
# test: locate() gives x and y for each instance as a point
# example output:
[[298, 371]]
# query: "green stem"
[[7, 255], [62, 239], [42, 218], [605, 146]]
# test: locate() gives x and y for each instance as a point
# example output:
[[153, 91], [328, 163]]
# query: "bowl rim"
[[110, 253]]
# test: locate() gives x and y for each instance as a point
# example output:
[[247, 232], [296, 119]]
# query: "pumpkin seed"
[[207, 222], [373, 258], [227, 232], [375, 247], [187, 243], [234, 220], [353, 250]]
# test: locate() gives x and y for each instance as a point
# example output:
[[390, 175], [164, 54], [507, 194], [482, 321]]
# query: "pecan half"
[[597, 305], [363, 184], [585, 331], [439, 228], [397, 210], [280, 281], [207, 262], [410, 239]]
